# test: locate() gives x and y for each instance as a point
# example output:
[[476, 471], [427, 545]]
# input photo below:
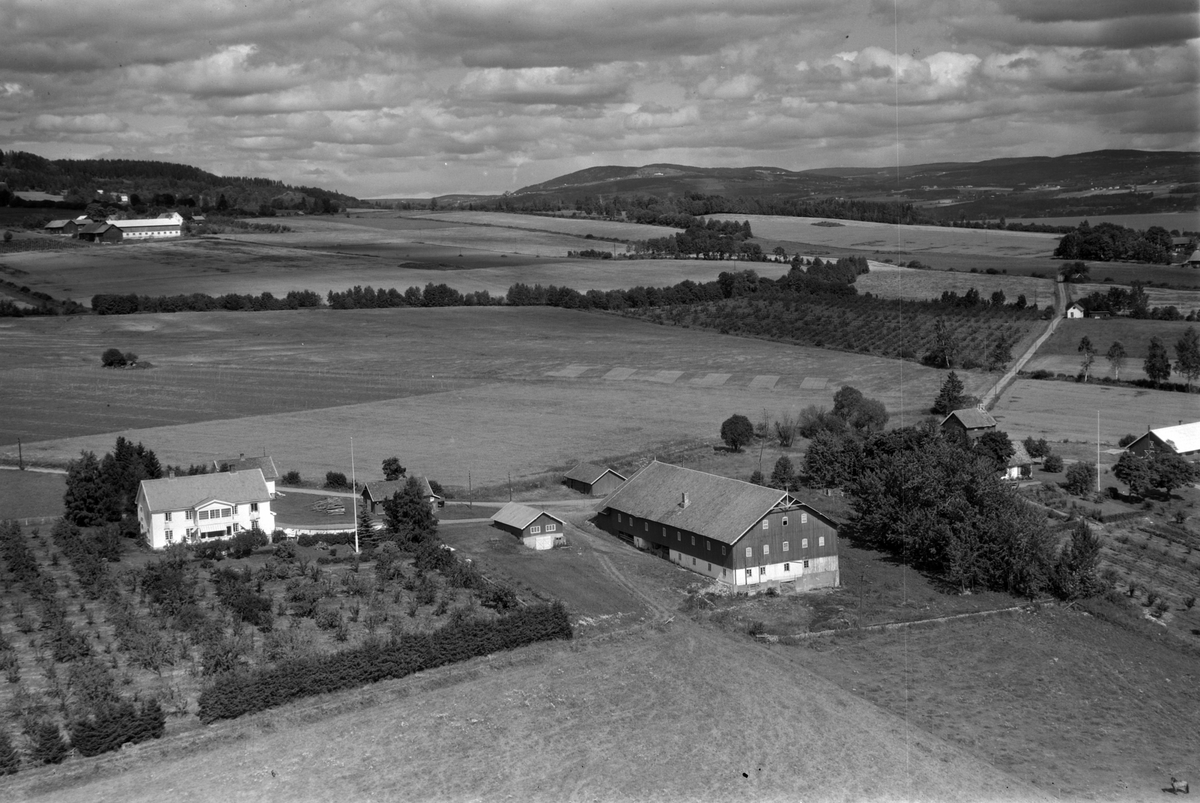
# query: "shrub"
[[1189, 602], [10, 760], [336, 479], [1126, 440], [291, 478], [1053, 463], [112, 358], [115, 725], [329, 619], [49, 747], [1081, 478]]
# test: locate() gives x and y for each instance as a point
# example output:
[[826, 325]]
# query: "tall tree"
[[1074, 575], [1116, 358], [1136, 472], [408, 517], [86, 501], [737, 431], [783, 476], [996, 446], [392, 470], [1089, 356], [1157, 365], [951, 397], [945, 348], [1187, 357]]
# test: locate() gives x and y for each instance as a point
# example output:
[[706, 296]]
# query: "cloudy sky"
[[419, 97]]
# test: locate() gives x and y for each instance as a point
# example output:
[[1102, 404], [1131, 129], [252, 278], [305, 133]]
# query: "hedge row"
[[244, 692], [117, 724]]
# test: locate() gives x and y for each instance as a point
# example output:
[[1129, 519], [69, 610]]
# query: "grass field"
[[1060, 353], [888, 281], [1183, 299], [1184, 221], [483, 398], [31, 494]]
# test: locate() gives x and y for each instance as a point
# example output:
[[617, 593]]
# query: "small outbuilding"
[[1194, 260], [1076, 310], [67, 228], [101, 233], [1020, 465], [537, 529], [376, 493], [593, 480], [971, 422]]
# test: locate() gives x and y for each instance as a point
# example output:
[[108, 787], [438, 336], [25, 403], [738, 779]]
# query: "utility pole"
[[354, 492], [20, 456]]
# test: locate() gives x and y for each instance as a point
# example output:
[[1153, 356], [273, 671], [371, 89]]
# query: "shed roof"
[[96, 228], [1183, 438], [243, 463], [1195, 257], [56, 224], [719, 508], [1020, 456], [972, 418], [514, 514], [379, 490], [589, 473], [182, 493]]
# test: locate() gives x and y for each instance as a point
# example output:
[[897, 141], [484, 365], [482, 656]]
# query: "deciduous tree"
[[1116, 358], [392, 470], [1187, 357], [1157, 365], [1081, 478], [1089, 356], [737, 431]]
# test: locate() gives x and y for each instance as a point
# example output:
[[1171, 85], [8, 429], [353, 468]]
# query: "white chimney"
[[684, 502]]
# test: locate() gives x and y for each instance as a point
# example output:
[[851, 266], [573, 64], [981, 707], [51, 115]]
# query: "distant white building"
[[150, 228], [1076, 311], [178, 509]]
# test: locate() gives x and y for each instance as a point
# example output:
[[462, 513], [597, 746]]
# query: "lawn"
[[521, 390]]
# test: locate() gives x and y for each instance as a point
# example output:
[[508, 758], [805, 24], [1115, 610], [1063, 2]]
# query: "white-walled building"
[[179, 509], [147, 228]]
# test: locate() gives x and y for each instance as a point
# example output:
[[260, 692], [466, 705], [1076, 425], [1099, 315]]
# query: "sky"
[[412, 98]]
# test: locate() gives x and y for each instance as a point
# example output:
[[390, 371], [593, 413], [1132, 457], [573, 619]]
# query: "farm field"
[[1184, 221], [1183, 299], [31, 494], [890, 281], [1060, 353], [610, 720], [522, 390], [1125, 273]]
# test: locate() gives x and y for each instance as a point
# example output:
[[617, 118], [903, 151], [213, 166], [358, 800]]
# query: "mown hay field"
[[450, 390], [889, 281], [1182, 298]]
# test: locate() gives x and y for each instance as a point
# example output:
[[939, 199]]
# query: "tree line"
[[1107, 242]]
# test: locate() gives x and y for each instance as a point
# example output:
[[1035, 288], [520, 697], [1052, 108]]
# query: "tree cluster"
[[113, 358], [111, 304], [235, 694], [1107, 242], [1154, 469], [103, 491], [434, 295]]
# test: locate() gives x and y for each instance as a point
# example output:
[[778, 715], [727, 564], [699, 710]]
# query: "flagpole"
[[354, 493]]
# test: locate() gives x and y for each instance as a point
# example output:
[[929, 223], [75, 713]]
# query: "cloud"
[[77, 124], [545, 85]]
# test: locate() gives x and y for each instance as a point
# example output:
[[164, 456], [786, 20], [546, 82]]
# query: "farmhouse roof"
[[514, 514], [1020, 457], [719, 508], [381, 490], [1183, 438], [589, 473], [972, 418], [182, 493], [242, 463]]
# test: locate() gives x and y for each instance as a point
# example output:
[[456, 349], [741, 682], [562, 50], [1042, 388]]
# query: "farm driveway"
[[1060, 299]]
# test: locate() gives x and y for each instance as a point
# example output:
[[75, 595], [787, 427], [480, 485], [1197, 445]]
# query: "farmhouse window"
[[749, 551], [167, 515], [785, 521], [821, 541], [226, 511], [550, 527], [535, 529], [191, 514], [762, 570], [168, 534], [785, 546], [203, 515], [804, 518], [806, 564], [749, 573], [766, 550], [804, 543], [724, 572], [766, 524], [693, 561], [254, 507]]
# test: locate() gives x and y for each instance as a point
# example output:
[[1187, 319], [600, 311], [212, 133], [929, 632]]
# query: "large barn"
[[744, 535], [970, 421], [593, 480], [1183, 440], [151, 228], [177, 509]]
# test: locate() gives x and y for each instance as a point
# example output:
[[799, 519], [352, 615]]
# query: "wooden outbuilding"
[[1076, 310], [101, 233], [743, 535], [593, 480], [537, 529], [376, 493], [970, 422]]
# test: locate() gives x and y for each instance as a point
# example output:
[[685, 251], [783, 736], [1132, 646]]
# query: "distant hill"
[[1111, 181], [138, 184]]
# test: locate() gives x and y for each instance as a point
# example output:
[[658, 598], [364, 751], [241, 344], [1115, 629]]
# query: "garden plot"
[[619, 374], [764, 382], [711, 380], [571, 371]]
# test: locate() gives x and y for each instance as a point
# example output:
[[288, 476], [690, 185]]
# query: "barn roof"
[[972, 418], [1195, 257], [56, 224], [96, 228], [719, 508], [181, 493], [514, 514], [1183, 438], [589, 473], [242, 463]]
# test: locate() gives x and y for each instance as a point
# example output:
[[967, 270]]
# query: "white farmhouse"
[[178, 509]]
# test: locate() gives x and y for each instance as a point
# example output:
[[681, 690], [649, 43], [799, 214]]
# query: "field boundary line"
[[889, 626]]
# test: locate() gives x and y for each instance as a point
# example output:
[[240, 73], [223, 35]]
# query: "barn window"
[[766, 550], [806, 564], [618, 518], [710, 567], [821, 541], [749, 551], [549, 527], [785, 521], [693, 540], [722, 550], [678, 535], [749, 573], [693, 561], [762, 570], [804, 518], [766, 524], [708, 545], [535, 529], [787, 567], [646, 526], [664, 531], [785, 546], [804, 543]]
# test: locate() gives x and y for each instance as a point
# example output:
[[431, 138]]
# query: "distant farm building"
[[152, 228], [537, 529], [242, 463], [101, 233], [1076, 311], [588, 478], [1183, 440], [971, 422], [1194, 260], [374, 494], [67, 228], [191, 508], [1020, 465], [747, 536]]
